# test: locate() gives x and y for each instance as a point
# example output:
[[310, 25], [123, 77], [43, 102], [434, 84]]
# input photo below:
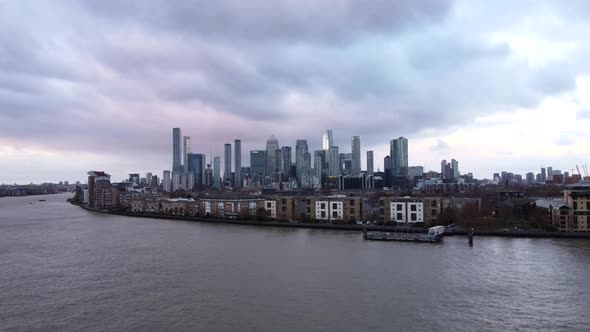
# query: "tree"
[[261, 214]]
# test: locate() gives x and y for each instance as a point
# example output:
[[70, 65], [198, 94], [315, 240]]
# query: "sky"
[[497, 85]]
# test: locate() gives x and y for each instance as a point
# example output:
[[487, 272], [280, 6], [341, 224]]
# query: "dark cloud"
[[282, 21], [80, 75]]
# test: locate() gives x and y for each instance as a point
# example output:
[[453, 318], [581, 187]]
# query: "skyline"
[[87, 85]]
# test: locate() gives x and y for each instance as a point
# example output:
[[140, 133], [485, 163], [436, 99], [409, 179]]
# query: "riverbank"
[[347, 227]]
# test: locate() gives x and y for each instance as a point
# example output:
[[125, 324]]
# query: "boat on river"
[[435, 234]]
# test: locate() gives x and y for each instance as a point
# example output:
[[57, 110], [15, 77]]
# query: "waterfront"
[[64, 268]]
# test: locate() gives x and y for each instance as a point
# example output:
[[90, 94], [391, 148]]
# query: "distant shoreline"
[[346, 227]]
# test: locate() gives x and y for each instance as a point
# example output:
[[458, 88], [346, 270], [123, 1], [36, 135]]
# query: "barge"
[[435, 235]]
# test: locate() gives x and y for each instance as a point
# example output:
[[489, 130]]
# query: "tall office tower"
[[370, 167], [319, 169], [443, 165], [272, 145], [333, 161], [148, 179], [176, 151], [227, 163], [455, 168], [197, 165], [258, 167], [356, 155], [238, 164], [186, 149], [550, 173], [543, 175], [300, 150], [166, 181], [399, 156], [327, 140], [286, 159], [279, 165], [217, 172], [176, 181], [387, 170], [530, 178]]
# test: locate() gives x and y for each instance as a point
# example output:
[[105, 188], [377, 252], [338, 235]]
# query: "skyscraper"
[[227, 163], [356, 155], [196, 165], [399, 156], [238, 163], [272, 145], [186, 149], [300, 150], [549, 173], [455, 167], [543, 175], [286, 151], [327, 140], [217, 172], [176, 151], [443, 167], [166, 183], [258, 167], [370, 167], [333, 164]]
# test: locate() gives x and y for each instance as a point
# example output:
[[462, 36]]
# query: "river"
[[63, 268]]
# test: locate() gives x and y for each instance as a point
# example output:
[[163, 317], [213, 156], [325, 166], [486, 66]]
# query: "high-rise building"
[[455, 167], [197, 165], [318, 163], [300, 150], [186, 149], [399, 156], [217, 172], [238, 163], [387, 170], [543, 175], [227, 163], [549, 173], [166, 181], [286, 159], [176, 151], [356, 155], [272, 145], [333, 161], [279, 165], [370, 166], [258, 167], [176, 181], [530, 178], [327, 140], [148, 179]]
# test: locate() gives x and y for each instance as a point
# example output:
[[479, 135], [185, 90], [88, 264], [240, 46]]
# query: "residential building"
[[356, 156], [370, 167]]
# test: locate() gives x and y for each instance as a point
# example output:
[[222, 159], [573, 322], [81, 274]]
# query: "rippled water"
[[63, 268]]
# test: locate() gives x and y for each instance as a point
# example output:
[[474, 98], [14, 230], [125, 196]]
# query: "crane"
[[578, 168]]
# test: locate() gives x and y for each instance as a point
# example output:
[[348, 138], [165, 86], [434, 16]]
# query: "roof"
[[546, 204]]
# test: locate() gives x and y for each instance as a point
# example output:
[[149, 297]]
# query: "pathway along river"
[[64, 268]]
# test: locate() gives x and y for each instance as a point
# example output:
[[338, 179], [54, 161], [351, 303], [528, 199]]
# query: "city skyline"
[[87, 85]]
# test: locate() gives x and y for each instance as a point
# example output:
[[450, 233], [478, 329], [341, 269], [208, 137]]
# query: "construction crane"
[[578, 168]]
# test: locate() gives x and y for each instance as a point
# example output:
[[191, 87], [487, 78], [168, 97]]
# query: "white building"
[[329, 210], [271, 209], [406, 211]]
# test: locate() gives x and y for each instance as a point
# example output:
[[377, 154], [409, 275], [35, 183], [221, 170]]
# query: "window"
[[399, 216], [400, 207], [413, 217], [433, 212], [322, 205], [334, 214], [284, 201], [588, 205], [323, 214], [283, 208], [413, 207], [334, 206], [575, 205], [351, 202], [352, 210], [268, 205]]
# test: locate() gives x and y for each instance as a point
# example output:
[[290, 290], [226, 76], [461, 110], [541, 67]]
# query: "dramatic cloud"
[[112, 77]]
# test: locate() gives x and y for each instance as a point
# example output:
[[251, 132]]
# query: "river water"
[[64, 268]]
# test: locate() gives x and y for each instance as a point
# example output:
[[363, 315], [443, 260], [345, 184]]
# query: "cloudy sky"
[[85, 84]]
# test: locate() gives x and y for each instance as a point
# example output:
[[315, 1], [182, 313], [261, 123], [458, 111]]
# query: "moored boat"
[[435, 234]]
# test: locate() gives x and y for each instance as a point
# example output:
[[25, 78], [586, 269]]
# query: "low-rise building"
[[577, 196]]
